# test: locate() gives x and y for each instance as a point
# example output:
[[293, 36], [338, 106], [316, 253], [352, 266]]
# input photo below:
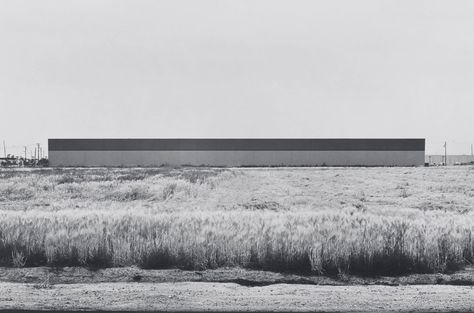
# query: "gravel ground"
[[200, 296], [236, 289]]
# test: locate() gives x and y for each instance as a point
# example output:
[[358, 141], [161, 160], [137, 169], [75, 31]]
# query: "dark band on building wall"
[[236, 144]]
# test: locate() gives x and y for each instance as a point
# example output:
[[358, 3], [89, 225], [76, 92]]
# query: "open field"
[[321, 221]]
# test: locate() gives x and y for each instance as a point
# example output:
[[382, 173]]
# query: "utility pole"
[[35, 154], [472, 150], [25, 153], [38, 151], [4, 150], [445, 155]]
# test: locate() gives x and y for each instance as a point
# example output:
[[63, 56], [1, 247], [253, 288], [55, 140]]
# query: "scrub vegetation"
[[324, 221]]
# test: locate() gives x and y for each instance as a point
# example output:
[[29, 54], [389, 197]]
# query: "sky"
[[237, 69]]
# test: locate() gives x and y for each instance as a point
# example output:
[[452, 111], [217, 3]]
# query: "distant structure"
[[236, 152], [438, 159]]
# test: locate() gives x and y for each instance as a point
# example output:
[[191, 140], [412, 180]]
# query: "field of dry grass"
[[325, 221]]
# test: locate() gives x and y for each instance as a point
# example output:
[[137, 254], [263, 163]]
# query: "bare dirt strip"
[[244, 277], [230, 289], [204, 296]]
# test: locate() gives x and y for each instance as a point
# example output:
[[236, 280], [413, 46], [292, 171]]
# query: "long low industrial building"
[[236, 152]]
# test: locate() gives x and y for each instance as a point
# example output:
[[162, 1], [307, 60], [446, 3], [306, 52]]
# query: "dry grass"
[[324, 221]]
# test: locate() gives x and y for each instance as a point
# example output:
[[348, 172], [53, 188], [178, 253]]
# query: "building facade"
[[236, 152]]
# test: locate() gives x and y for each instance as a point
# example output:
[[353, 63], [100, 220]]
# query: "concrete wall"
[[236, 158]]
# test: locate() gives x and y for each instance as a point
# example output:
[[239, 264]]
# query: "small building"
[[236, 152]]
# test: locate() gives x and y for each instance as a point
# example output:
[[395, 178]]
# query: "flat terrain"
[[334, 239], [325, 221], [194, 296], [230, 289], [48, 277]]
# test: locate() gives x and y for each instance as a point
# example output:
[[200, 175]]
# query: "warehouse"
[[236, 152]]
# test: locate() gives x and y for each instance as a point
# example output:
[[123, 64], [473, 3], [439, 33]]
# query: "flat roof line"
[[238, 144]]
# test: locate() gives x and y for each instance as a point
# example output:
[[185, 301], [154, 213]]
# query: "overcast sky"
[[268, 68]]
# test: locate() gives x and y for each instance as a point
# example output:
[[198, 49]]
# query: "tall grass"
[[322, 242], [200, 219]]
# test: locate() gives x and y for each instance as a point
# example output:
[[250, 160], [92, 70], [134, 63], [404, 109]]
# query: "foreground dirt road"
[[200, 296]]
